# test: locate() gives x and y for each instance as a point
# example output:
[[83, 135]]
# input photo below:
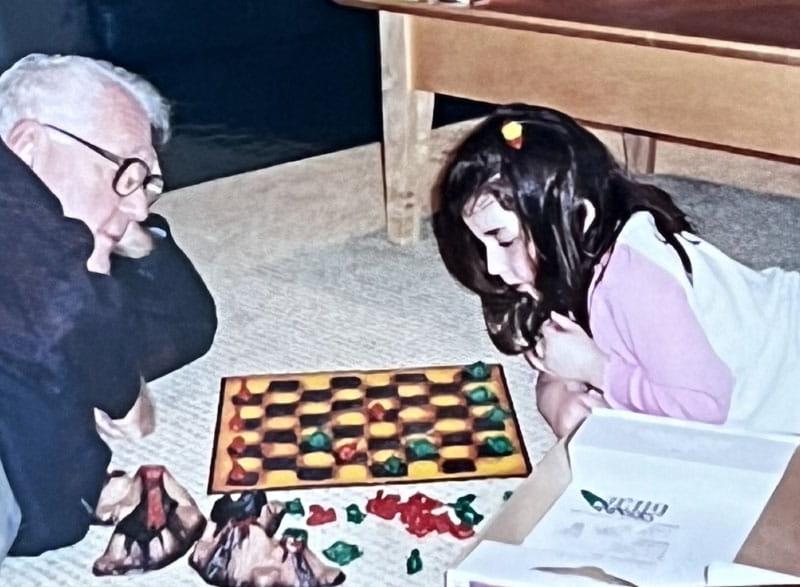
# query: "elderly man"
[[95, 295]]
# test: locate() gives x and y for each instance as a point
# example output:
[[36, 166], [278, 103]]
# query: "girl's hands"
[[574, 408], [564, 350], [565, 404]]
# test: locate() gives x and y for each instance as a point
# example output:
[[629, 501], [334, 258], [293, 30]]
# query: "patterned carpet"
[[329, 302]]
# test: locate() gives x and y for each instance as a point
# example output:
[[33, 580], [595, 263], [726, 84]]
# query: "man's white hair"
[[50, 88]]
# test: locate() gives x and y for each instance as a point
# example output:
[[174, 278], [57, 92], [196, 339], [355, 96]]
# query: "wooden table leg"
[[407, 118], [640, 152]]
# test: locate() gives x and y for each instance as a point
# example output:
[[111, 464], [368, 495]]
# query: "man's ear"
[[590, 212], [28, 140]]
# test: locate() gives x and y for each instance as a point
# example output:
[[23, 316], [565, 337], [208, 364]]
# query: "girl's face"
[[509, 255]]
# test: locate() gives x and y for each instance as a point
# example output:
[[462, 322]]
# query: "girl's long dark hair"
[[545, 182]]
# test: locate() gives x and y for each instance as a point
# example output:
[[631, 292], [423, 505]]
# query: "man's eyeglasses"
[[132, 173]]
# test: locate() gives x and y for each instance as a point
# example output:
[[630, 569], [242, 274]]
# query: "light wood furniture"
[[717, 72]]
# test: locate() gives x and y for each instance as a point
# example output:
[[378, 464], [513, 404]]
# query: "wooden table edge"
[[474, 14]]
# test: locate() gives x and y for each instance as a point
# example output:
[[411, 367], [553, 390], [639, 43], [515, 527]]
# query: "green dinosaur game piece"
[[317, 442], [480, 396], [342, 553], [297, 534], [422, 448], [478, 371], [497, 446], [295, 506], [394, 467], [354, 514], [496, 415], [463, 509], [414, 562]]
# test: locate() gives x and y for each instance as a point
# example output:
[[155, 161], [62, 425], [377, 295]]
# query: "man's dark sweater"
[[70, 341]]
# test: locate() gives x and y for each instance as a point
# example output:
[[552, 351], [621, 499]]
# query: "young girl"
[[600, 281]]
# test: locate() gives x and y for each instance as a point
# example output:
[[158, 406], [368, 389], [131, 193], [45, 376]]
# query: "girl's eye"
[[506, 243]]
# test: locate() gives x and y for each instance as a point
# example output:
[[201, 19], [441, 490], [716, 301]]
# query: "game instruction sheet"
[[655, 500]]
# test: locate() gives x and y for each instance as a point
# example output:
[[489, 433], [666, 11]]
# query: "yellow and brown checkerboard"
[[365, 427]]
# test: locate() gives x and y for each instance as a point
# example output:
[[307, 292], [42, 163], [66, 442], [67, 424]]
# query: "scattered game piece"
[[354, 514], [414, 562], [295, 507], [497, 446], [461, 531], [342, 553], [469, 517], [465, 512], [478, 371], [320, 515], [480, 396], [359, 428], [296, 534], [507, 495], [423, 501], [416, 514], [420, 522], [382, 506], [159, 512], [463, 501]]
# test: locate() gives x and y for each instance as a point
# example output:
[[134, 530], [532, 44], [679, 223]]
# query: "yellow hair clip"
[[512, 133]]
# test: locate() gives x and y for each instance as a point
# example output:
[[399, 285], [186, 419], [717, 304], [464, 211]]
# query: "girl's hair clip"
[[512, 133]]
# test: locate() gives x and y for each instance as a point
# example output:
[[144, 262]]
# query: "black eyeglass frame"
[[152, 183]]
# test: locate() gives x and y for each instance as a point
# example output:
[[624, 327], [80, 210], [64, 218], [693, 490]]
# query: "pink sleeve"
[[661, 361]]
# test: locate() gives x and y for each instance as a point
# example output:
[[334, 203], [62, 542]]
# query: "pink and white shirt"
[[724, 350]]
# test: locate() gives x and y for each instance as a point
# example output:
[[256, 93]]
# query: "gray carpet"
[[761, 230], [357, 303]]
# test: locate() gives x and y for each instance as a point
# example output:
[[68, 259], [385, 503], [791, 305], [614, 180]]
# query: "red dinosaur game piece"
[[320, 515]]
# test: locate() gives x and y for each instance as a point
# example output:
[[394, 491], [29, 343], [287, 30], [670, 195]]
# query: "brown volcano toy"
[[158, 521], [237, 548]]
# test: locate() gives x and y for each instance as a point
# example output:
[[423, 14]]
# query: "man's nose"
[[135, 205]]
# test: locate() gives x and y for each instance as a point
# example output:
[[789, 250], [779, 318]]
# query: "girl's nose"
[[494, 263]]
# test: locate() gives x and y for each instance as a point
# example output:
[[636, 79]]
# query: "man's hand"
[[135, 243], [137, 423], [567, 352]]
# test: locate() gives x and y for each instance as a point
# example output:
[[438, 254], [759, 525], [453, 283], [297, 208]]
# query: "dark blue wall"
[[253, 83]]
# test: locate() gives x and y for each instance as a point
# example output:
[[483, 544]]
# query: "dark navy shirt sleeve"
[[72, 341], [61, 354], [175, 316]]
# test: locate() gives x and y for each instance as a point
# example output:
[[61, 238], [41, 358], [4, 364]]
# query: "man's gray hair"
[[40, 86]]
